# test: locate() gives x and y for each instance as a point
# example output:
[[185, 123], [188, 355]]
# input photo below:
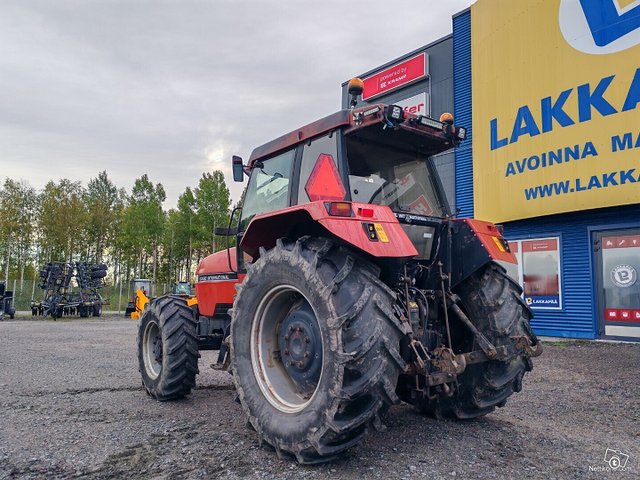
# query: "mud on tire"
[[492, 302], [359, 359], [168, 348]]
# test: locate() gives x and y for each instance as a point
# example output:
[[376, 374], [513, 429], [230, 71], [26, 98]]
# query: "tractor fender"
[[372, 229], [474, 244]]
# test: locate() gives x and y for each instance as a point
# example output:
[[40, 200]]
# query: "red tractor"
[[352, 288]]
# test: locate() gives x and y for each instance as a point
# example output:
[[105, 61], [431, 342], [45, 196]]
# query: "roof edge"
[[461, 12]]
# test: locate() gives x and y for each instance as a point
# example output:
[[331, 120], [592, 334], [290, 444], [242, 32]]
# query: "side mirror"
[[238, 168]]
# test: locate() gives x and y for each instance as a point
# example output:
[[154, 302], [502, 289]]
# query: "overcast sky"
[[174, 88]]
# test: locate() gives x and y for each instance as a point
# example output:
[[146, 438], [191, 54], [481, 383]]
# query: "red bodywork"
[[491, 239], [217, 277], [265, 229]]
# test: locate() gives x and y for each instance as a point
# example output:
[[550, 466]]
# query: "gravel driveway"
[[72, 405]]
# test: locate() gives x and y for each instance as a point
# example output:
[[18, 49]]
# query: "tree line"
[[100, 222]]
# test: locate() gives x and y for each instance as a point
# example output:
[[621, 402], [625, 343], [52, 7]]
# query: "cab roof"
[[326, 124], [357, 119]]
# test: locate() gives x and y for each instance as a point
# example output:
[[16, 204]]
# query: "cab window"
[[268, 187], [327, 145]]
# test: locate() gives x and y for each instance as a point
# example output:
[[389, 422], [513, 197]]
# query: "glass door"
[[618, 286]]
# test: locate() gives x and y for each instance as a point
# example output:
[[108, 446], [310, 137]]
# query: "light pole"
[[190, 252], [213, 236], [173, 233]]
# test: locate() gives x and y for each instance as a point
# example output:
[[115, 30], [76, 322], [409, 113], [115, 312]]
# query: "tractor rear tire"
[[168, 348], [314, 348], [493, 303]]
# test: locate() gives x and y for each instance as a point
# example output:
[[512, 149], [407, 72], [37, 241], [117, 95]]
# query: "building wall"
[[582, 312], [462, 107], [579, 315]]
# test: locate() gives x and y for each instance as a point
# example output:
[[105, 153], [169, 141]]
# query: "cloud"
[[173, 89]]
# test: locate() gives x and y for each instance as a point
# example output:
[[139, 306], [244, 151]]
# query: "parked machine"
[[182, 288], [141, 288], [90, 278], [6, 302], [352, 288], [59, 297]]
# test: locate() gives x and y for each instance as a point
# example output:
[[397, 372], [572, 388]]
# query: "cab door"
[[269, 189]]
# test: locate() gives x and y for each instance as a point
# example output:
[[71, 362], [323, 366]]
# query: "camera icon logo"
[[615, 458]]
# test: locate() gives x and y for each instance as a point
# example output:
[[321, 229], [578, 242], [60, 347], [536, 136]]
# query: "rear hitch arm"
[[524, 344], [485, 345]]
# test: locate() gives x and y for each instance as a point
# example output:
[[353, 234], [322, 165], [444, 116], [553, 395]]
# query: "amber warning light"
[[355, 88], [339, 209]]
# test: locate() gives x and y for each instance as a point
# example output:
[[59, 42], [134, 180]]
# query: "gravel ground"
[[72, 405]]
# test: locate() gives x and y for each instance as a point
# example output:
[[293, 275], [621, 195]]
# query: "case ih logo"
[[396, 76], [600, 26]]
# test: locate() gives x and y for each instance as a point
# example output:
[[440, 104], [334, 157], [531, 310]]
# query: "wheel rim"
[[286, 349], [152, 350]]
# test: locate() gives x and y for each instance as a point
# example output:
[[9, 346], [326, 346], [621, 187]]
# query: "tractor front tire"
[[168, 348], [492, 301], [314, 348]]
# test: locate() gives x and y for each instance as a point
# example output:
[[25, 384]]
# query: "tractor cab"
[[182, 288], [366, 164], [364, 176]]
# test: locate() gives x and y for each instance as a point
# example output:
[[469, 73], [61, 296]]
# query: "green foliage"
[[102, 223], [142, 226], [19, 205], [105, 203], [61, 220], [212, 209]]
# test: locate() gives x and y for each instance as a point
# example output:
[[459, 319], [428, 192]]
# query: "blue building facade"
[[579, 267], [598, 250]]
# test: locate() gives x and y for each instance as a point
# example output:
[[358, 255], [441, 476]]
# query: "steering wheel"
[[380, 188]]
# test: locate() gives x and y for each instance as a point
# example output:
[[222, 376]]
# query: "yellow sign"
[[499, 244], [382, 235], [556, 106]]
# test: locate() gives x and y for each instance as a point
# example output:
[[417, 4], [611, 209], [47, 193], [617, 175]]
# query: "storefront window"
[[620, 266], [538, 271]]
